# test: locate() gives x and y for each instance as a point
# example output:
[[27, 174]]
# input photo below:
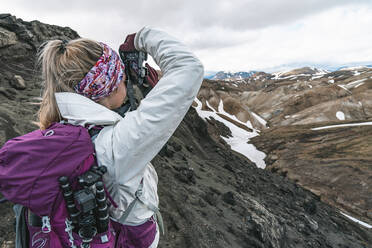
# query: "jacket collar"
[[80, 110]]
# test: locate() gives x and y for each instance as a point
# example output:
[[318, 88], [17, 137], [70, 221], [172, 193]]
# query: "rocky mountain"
[[211, 192]]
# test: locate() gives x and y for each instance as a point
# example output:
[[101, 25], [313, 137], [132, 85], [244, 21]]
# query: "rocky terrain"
[[210, 195], [333, 163], [283, 107]]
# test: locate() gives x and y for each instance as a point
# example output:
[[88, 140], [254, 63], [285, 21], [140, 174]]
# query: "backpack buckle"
[[138, 193], [45, 228]]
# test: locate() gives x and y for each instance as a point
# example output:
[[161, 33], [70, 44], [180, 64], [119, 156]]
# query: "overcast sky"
[[226, 35]]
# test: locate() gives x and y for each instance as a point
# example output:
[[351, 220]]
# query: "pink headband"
[[104, 77]]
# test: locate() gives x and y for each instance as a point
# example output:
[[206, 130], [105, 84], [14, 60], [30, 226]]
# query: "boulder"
[[7, 38], [18, 82]]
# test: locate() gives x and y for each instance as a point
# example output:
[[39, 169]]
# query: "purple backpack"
[[30, 166]]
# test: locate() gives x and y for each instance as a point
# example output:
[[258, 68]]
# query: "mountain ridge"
[[235, 75]]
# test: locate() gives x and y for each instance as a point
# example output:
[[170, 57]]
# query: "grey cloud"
[[259, 14], [207, 43], [217, 38], [194, 14], [184, 18]]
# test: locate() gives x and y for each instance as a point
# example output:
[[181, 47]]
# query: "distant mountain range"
[[222, 75], [229, 75]]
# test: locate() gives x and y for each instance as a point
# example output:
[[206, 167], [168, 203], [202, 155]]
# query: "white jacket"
[[127, 145]]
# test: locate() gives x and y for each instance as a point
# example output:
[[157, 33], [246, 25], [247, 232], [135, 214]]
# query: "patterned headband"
[[104, 77]]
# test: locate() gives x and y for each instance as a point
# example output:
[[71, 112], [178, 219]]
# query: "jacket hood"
[[80, 110]]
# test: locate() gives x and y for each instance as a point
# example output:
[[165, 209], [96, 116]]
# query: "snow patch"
[[323, 71], [259, 118], [358, 85], [331, 81], [343, 87], [340, 115], [354, 83], [310, 86], [357, 221], [343, 125], [233, 117], [293, 77], [278, 74], [353, 68], [317, 76], [241, 137]]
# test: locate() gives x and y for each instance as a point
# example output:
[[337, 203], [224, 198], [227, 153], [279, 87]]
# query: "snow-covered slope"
[[240, 137]]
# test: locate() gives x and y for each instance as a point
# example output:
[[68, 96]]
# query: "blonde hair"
[[62, 67]]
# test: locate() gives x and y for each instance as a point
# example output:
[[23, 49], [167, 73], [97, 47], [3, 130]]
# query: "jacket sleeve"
[[140, 135]]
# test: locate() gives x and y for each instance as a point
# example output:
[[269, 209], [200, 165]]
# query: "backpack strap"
[[151, 206], [22, 237], [94, 131], [33, 219], [132, 204], [158, 216]]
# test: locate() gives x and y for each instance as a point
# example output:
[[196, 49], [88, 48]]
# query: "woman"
[[85, 81]]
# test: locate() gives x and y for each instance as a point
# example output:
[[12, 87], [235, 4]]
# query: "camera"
[[87, 207]]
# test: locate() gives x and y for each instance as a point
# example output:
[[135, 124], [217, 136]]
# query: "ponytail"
[[63, 65]]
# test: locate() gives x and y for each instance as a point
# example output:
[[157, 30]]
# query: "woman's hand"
[[128, 45], [152, 77]]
